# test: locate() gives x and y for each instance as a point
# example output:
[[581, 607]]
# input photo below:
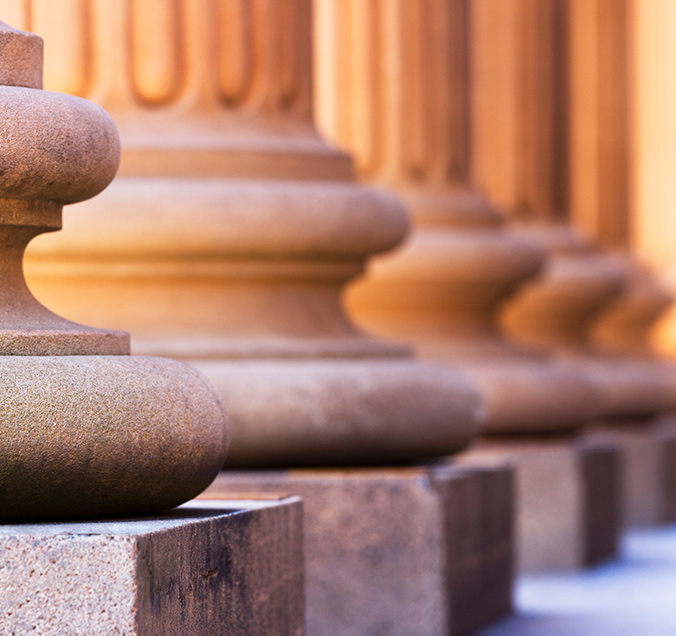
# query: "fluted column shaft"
[[395, 87], [552, 138]]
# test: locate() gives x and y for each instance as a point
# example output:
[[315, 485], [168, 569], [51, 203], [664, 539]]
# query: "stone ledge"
[[207, 568]]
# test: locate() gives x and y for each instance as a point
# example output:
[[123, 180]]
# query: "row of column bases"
[[532, 424]]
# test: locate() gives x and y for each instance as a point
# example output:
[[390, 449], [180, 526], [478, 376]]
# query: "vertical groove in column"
[[599, 120], [158, 50], [235, 50]]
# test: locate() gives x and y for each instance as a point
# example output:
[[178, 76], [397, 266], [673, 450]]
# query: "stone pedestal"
[[647, 453], [86, 429], [208, 567], [401, 551], [567, 498], [667, 431]]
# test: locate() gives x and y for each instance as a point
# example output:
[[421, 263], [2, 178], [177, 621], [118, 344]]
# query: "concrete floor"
[[633, 596]]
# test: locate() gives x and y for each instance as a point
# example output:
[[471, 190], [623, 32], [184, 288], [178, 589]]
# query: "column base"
[[567, 498], [400, 551], [648, 452], [667, 429], [208, 568]]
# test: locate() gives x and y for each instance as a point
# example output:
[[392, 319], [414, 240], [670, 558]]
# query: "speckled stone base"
[[209, 567], [402, 551], [567, 493]]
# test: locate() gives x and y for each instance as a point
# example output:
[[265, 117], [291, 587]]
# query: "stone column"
[[565, 98], [601, 160], [652, 158], [87, 430], [395, 87], [579, 282], [401, 102], [235, 228]]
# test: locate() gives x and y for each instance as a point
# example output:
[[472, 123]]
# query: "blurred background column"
[[649, 146], [550, 139], [394, 86]]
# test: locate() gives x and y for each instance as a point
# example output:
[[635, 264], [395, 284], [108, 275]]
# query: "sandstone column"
[[233, 228], [394, 84], [549, 70], [401, 102], [652, 158], [564, 87], [610, 87]]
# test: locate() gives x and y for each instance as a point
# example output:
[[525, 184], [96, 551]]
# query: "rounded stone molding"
[[233, 230], [54, 147], [105, 435], [343, 412]]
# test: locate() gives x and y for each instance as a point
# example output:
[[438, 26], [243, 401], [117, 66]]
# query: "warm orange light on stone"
[[396, 83], [232, 230]]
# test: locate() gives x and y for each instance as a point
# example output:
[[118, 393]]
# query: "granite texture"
[[567, 497], [105, 435], [84, 432], [54, 149], [207, 568], [20, 58], [396, 552]]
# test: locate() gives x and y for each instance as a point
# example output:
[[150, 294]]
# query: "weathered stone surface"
[[105, 435], [567, 494], [207, 568], [21, 58], [54, 149], [84, 432], [420, 550]]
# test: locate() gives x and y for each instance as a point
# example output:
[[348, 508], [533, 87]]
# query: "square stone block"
[[207, 568], [666, 430], [648, 452], [567, 492], [415, 551]]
